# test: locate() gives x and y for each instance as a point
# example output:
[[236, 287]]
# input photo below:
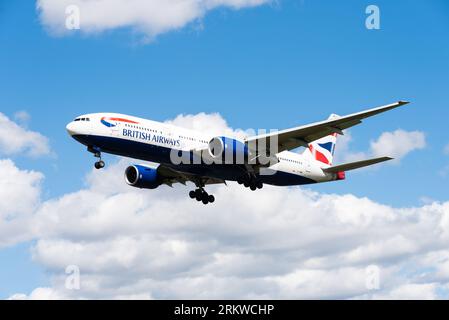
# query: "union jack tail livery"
[[322, 150]]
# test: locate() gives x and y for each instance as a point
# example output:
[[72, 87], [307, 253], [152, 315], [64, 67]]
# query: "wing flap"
[[355, 165]]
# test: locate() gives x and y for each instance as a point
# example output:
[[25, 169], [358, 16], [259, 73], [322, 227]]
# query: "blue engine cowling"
[[228, 149], [142, 177]]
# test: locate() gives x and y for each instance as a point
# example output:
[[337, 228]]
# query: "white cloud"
[[413, 291], [15, 139], [272, 243], [290, 243], [202, 122], [19, 189], [397, 144], [213, 124], [44, 293], [20, 192], [150, 17]]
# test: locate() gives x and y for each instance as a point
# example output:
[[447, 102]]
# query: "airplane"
[[182, 155]]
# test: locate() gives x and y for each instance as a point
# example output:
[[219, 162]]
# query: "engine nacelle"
[[142, 177], [228, 149]]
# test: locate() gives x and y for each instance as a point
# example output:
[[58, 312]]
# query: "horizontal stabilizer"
[[355, 165]]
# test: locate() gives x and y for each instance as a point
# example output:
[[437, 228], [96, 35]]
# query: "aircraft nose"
[[71, 128]]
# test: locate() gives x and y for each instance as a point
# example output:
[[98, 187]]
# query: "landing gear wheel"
[[253, 187], [99, 164], [97, 154], [201, 195], [259, 185]]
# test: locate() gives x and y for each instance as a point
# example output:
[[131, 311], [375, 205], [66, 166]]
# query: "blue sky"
[[272, 66]]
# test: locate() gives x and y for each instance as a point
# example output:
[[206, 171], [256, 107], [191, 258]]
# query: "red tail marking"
[[318, 155]]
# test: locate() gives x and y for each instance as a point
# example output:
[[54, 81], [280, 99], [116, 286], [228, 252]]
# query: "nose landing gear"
[[97, 154], [201, 195], [99, 164]]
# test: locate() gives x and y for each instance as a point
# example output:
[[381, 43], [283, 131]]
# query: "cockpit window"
[[82, 119], [77, 119]]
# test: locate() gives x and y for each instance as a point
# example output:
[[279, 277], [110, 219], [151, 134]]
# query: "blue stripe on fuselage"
[[107, 124]]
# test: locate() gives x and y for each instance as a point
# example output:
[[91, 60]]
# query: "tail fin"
[[322, 150]]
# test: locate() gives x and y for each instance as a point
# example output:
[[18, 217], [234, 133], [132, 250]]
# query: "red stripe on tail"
[[318, 155]]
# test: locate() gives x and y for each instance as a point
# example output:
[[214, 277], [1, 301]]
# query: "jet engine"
[[142, 177], [228, 149]]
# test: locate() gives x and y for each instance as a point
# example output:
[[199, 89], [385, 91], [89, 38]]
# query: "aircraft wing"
[[301, 136], [171, 176]]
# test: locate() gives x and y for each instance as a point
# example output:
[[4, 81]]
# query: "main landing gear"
[[97, 154], [201, 195], [251, 183]]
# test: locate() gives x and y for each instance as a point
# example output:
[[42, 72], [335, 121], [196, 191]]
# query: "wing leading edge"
[[301, 136]]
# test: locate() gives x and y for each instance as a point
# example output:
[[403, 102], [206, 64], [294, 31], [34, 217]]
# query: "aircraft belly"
[[154, 153]]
